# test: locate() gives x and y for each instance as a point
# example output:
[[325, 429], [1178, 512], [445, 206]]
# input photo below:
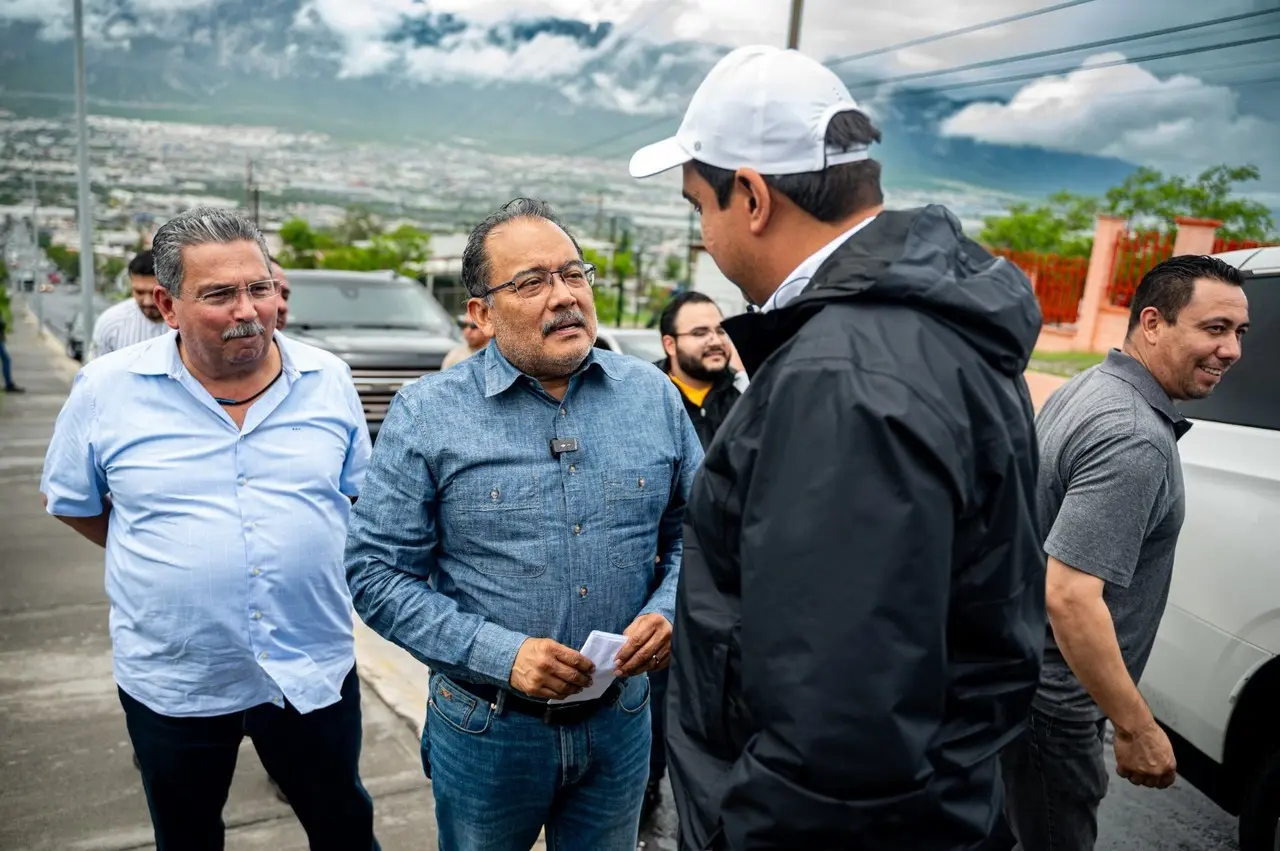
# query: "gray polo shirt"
[[1111, 504]]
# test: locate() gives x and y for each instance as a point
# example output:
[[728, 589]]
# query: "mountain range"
[[266, 62]]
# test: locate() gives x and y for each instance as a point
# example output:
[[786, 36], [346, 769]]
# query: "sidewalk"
[[69, 782]]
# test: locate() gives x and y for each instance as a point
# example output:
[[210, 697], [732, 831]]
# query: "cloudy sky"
[[1178, 113]]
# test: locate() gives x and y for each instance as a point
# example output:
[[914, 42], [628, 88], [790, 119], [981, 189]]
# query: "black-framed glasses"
[[467, 325], [703, 333], [537, 282], [224, 296]]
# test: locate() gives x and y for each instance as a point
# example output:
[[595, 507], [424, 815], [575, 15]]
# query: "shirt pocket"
[[634, 502], [495, 524]]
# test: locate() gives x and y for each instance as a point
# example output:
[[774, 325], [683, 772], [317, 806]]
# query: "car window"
[[343, 302], [1247, 394]]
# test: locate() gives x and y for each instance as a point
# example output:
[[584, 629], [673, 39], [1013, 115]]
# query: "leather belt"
[[558, 713]]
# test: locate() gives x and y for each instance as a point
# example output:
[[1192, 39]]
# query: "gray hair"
[[199, 226], [476, 266]]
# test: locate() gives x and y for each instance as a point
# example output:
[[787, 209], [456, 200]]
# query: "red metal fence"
[[1136, 253], [1058, 282], [1223, 244]]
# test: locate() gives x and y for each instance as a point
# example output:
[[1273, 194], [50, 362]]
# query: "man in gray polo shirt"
[[1111, 506]]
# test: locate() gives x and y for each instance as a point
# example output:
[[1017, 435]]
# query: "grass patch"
[[1064, 363]]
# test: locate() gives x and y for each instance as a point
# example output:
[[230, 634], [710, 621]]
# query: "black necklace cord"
[[234, 404]]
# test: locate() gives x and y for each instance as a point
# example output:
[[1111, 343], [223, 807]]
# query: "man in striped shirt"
[[132, 320]]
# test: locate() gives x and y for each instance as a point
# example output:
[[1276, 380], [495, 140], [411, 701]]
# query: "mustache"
[[564, 319], [243, 329]]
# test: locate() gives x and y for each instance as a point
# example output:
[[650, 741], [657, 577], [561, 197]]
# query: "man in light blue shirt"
[[217, 465], [515, 503]]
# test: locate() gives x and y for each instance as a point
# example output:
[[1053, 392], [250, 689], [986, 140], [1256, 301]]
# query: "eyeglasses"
[[703, 333], [224, 296], [535, 283], [468, 326]]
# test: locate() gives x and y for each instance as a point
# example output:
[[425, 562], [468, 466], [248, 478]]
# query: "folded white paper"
[[601, 648]]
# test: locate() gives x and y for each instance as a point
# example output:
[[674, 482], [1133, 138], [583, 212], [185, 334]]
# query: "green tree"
[[1149, 197], [359, 224], [301, 242], [674, 270], [1062, 226], [67, 261]]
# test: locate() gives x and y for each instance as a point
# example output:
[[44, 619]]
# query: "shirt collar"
[[160, 357], [499, 374], [803, 274], [1133, 373]]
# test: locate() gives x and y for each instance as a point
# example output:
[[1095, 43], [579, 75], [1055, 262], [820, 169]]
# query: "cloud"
[[1179, 124]]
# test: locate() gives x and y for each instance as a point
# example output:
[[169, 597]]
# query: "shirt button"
[[241, 481], [642, 483], [573, 468], [563, 412], [582, 592], [493, 494], [256, 571], [577, 529], [257, 616], [263, 655]]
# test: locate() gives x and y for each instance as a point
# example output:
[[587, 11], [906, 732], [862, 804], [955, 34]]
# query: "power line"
[[664, 119], [1058, 51], [1033, 75], [616, 137], [972, 28]]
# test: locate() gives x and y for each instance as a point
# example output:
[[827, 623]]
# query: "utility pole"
[[85, 200], [793, 33], [36, 254], [35, 207], [251, 194]]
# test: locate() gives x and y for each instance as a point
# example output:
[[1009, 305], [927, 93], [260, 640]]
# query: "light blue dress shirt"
[[471, 536], [224, 551]]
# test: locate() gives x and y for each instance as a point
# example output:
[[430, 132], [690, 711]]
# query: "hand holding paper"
[[648, 646], [600, 648]]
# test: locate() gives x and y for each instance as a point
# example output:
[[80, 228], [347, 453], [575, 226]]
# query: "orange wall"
[[1042, 385]]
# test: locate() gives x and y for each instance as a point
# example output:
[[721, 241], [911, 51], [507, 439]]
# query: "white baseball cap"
[[760, 107]]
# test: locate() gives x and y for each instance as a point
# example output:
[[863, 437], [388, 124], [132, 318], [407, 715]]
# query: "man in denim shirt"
[[514, 503]]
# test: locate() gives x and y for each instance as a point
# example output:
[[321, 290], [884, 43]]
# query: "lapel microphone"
[[561, 445]]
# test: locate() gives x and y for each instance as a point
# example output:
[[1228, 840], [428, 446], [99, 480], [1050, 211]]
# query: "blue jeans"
[[5, 366], [500, 776], [187, 765]]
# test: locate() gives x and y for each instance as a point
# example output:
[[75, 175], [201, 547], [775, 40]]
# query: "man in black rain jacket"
[[860, 616]]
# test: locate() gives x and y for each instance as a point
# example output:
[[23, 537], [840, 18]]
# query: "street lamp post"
[[85, 213]]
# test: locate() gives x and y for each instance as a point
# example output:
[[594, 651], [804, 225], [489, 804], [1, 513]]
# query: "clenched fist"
[[1145, 757], [547, 669]]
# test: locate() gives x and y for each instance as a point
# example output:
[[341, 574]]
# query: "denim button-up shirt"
[[470, 535], [224, 550]]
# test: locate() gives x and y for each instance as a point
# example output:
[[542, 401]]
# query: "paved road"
[[60, 306], [1131, 819]]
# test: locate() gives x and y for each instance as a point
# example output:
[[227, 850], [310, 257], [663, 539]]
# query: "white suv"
[[1213, 680]]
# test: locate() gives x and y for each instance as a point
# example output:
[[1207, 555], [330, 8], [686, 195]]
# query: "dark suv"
[[388, 329]]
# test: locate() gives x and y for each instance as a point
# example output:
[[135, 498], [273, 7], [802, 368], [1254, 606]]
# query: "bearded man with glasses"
[[515, 504], [217, 465]]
